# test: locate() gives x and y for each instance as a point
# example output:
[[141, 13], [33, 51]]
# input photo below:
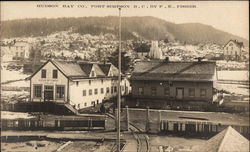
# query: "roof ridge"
[[223, 139]]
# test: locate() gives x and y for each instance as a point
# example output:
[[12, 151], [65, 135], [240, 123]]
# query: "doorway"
[[179, 93], [48, 93]]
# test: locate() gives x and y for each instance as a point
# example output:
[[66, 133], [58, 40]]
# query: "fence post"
[[147, 120], [159, 120], [127, 117], [115, 112]]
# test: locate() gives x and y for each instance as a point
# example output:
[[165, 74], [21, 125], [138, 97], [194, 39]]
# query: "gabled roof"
[[225, 141], [239, 44], [70, 68], [105, 68], [74, 70], [179, 71]]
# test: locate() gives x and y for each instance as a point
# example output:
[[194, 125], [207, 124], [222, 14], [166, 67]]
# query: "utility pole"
[[119, 87]]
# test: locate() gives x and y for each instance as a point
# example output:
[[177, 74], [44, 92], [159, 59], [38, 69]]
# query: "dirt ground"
[[30, 146], [176, 143], [51, 146], [83, 146]]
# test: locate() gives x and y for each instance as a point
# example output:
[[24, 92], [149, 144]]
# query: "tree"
[[125, 60]]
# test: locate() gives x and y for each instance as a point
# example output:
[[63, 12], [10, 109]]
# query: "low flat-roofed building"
[[168, 80]]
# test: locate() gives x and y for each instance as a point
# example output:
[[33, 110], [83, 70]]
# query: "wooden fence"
[[57, 124], [151, 121]]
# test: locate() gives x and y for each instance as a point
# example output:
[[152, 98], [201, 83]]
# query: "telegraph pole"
[[119, 87]]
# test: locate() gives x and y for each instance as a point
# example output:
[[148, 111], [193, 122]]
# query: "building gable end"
[[44, 66]]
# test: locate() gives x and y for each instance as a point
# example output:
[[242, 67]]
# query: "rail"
[[140, 138]]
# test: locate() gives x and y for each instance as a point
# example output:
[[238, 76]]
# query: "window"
[[115, 88], [37, 91], [60, 92], [191, 92], [102, 90], [89, 82], [55, 74], [90, 92], [84, 93], [203, 92], [153, 91], [96, 91], [107, 89], [92, 73], [93, 103], [112, 89], [85, 104], [141, 91], [102, 81], [167, 91], [43, 73], [77, 83]]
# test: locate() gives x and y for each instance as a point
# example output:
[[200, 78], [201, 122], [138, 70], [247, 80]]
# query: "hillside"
[[132, 27]]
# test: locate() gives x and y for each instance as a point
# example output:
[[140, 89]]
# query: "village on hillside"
[[83, 92]]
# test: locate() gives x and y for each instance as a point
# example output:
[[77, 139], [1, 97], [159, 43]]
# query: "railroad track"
[[142, 139]]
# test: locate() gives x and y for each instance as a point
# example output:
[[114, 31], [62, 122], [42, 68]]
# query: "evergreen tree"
[[125, 60]]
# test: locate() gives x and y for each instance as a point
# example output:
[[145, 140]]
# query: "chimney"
[[167, 59]]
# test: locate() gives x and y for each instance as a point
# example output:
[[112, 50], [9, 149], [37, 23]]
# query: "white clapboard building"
[[79, 84]]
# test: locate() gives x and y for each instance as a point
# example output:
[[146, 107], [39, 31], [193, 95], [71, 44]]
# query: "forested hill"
[[149, 28]]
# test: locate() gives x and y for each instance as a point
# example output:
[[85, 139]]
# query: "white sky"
[[229, 16]]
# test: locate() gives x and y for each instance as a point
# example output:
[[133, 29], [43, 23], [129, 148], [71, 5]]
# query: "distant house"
[[20, 50], [168, 80], [233, 50], [76, 83], [227, 140], [6, 54]]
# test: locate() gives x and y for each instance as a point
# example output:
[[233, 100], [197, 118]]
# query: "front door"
[[179, 93], [48, 93]]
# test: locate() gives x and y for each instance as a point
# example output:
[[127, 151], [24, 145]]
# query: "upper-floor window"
[[191, 92], [112, 89], [107, 90], [102, 90], [77, 83], [92, 73], [84, 93], [153, 91], [43, 73], [89, 82], [55, 74], [96, 91], [115, 88], [90, 92], [110, 73], [203, 92]]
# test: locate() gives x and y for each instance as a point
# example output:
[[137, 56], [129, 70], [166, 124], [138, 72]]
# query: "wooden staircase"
[[71, 108]]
